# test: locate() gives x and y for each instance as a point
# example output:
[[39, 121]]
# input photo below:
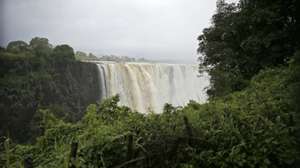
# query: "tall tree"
[[41, 46], [245, 38], [63, 53]]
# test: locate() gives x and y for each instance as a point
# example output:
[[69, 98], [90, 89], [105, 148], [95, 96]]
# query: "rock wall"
[[75, 86], [65, 89]]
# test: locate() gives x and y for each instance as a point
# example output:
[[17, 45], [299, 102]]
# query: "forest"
[[251, 52]]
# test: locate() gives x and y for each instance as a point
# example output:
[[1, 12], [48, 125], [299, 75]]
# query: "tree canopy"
[[63, 53], [27, 72], [245, 38], [17, 47]]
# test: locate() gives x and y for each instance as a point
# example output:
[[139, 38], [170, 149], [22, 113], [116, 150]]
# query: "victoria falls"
[[149, 84]]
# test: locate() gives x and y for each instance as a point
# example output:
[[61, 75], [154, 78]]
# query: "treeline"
[[80, 55], [39, 75]]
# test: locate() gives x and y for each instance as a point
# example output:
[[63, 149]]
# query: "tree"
[[41, 46], [244, 39], [63, 53], [17, 47]]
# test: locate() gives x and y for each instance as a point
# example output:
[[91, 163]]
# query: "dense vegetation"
[[251, 52], [251, 128], [38, 75], [246, 38]]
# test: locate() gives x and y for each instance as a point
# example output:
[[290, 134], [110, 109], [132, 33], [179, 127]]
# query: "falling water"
[[148, 86]]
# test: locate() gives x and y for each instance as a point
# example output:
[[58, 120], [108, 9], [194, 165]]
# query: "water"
[[148, 86]]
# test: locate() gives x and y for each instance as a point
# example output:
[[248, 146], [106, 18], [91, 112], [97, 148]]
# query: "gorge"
[[67, 90]]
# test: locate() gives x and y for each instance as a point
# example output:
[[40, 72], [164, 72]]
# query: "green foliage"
[[63, 53], [251, 128], [245, 38], [27, 75], [295, 92], [41, 46], [253, 125], [17, 47], [295, 80]]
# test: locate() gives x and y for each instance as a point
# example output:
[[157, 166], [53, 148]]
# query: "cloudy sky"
[[153, 29]]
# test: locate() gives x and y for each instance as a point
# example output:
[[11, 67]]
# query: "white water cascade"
[[148, 86]]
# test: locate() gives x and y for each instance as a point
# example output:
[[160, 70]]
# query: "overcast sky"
[[153, 29]]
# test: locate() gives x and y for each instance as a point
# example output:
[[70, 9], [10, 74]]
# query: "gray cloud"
[[154, 29]]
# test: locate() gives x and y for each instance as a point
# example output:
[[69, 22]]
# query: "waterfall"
[[148, 86]]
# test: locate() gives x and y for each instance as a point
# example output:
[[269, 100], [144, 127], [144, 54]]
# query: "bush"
[[251, 128]]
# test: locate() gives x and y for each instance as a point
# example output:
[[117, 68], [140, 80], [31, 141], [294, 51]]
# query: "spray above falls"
[[148, 86]]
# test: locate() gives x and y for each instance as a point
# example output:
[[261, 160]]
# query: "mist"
[[152, 29]]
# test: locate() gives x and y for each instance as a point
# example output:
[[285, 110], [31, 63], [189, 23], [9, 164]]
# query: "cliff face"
[[65, 89], [74, 87]]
